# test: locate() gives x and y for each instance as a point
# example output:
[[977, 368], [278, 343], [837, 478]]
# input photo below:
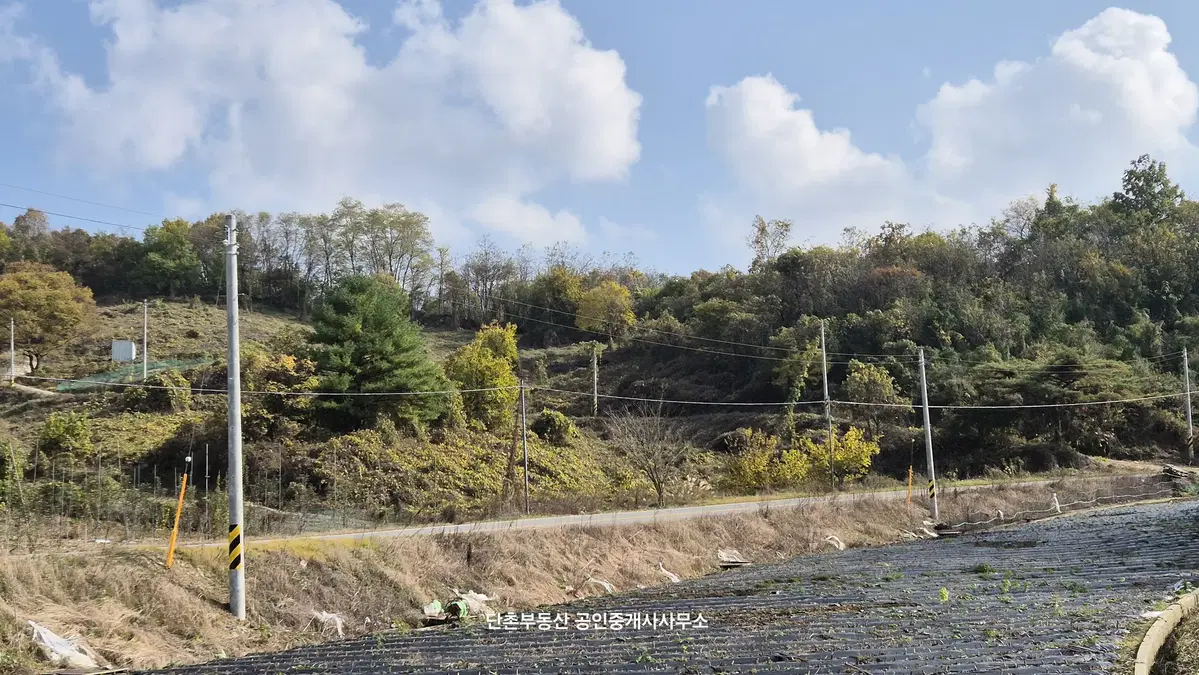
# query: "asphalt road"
[[1051, 597], [621, 517]]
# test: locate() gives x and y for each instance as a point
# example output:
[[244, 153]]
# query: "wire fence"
[[123, 375], [1164, 488]]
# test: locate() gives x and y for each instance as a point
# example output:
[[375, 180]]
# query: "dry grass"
[[1180, 654], [136, 613]]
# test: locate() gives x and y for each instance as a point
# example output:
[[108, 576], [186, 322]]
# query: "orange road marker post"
[[178, 512]]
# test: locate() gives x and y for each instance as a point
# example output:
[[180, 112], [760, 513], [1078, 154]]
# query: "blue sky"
[[607, 132]]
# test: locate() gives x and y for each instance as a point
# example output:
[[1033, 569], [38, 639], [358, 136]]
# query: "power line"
[[202, 390], [644, 328], [1073, 404], [867, 358], [676, 402], [65, 215], [82, 201], [633, 339], [868, 404]]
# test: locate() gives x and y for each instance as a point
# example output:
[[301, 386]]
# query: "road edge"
[[1160, 631]]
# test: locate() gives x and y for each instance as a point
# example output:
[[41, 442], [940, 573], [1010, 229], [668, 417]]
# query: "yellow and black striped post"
[[932, 489], [235, 548]]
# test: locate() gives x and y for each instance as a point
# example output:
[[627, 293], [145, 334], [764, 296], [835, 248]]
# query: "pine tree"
[[364, 342]]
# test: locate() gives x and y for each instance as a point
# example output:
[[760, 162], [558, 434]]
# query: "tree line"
[[1053, 301]]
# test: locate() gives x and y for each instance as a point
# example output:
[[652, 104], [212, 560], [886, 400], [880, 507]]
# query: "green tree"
[[552, 298], [171, 265], [364, 343], [607, 308], [29, 233], [768, 240], [852, 455], [47, 308], [868, 383], [484, 371], [1148, 191]]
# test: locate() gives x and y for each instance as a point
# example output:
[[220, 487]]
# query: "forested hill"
[[1052, 302]]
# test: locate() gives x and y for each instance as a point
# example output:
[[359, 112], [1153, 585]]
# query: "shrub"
[[554, 427], [851, 455], [66, 432], [166, 391], [485, 368], [759, 463]]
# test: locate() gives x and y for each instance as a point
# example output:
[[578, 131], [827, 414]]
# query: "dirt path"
[[1050, 597]]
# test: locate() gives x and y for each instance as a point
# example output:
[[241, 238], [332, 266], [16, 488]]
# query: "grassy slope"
[[177, 331]]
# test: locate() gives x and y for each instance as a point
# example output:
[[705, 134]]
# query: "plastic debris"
[[607, 586], [835, 541], [1150, 615], [730, 558], [303, 564], [674, 578], [328, 619], [433, 609], [63, 652], [476, 602], [457, 609]]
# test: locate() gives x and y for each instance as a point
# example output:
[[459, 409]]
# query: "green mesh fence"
[[128, 373]]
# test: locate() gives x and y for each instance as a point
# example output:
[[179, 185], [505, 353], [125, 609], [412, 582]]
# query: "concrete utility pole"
[[595, 380], [1189, 455], [207, 522], [928, 442], [237, 561], [524, 440], [12, 351], [145, 339], [828, 406]]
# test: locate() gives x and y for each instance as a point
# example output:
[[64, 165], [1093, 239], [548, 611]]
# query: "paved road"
[[1051, 598], [627, 517]]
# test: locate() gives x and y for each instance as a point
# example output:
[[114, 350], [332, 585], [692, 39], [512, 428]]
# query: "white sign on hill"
[[124, 351]]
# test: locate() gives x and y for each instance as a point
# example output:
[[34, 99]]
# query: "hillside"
[[1054, 335]]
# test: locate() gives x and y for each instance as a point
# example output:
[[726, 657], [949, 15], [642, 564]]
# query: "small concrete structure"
[[124, 351]]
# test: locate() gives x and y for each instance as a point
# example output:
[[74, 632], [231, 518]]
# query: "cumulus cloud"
[[279, 106], [534, 221], [1105, 93]]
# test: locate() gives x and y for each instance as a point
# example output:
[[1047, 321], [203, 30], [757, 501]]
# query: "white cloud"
[[1107, 92], [526, 219], [276, 102], [626, 233]]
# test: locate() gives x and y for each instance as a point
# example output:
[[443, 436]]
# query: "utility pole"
[[145, 339], [12, 351], [237, 562], [595, 380], [1189, 455], [828, 406], [524, 441], [207, 520], [928, 441]]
